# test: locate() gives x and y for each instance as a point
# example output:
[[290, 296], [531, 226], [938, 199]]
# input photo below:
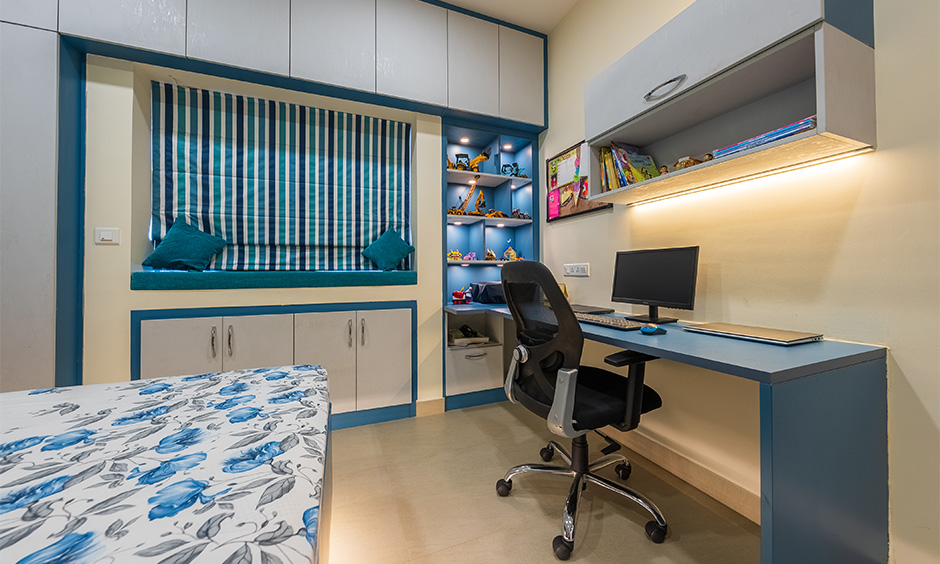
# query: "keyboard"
[[606, 321]]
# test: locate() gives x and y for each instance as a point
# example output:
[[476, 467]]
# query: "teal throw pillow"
[[388, 250], [185, 248]]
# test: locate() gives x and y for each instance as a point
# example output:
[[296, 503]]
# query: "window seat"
[[151, 279]]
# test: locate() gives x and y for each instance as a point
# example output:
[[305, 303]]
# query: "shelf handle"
[[350, 326], [212, 340], [231, 336], [474, 356], [651, 95], [362, 332]]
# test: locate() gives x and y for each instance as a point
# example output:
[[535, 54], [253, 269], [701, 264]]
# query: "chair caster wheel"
[[655, 532], [547, 453], [503, 487], [562, 548], [623, 470]]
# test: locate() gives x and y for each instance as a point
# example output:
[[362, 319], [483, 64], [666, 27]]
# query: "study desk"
[[823, 436]]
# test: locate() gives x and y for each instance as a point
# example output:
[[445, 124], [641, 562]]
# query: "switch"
[[107, 236], [578, 269]]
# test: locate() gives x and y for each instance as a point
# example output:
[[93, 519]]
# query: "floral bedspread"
[[223, 467]]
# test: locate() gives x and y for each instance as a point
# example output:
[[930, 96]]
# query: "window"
[[289, 187]]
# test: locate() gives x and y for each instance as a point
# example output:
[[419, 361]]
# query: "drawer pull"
[[474, 356], [362, 332], [651, 95], [212, 341], [350, 341], [231, 335]]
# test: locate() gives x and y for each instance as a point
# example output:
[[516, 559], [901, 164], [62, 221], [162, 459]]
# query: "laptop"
[[759, 334], [596, 310]]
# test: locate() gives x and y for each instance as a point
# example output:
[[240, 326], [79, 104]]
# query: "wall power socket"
[[578, 269]]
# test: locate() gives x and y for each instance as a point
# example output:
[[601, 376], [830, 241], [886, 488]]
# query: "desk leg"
[[824, 467]]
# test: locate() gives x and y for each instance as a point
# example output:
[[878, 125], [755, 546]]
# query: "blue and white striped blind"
[[289, 187]]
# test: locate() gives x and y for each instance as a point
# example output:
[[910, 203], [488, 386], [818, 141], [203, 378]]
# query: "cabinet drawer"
[[474, 368], [704, 39]]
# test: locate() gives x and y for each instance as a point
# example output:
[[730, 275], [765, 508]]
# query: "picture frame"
[[566, 189]]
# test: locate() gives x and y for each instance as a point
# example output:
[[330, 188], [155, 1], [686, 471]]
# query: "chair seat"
[[600, 399]]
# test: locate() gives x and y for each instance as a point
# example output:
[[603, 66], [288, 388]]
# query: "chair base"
[[581, 475]]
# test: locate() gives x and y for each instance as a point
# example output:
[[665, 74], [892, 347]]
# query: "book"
[[642, 166], [612, 179], [605, 185], [623, 163], [786, 131]]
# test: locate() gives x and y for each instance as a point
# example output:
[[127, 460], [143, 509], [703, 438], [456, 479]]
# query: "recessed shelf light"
[[458, 223], [500, 225], [507, 147], [464, 140]]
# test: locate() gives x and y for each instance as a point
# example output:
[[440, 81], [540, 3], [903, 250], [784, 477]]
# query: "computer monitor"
[[656, 278]]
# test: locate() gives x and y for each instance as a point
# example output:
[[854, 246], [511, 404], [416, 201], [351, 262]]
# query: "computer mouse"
[[652, 330]]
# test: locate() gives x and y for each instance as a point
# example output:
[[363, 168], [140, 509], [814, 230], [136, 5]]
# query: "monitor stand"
[[653, 317]]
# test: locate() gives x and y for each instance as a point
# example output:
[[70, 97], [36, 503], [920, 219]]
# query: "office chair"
[[546, 377]]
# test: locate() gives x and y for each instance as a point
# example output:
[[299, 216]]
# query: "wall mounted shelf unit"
[[796, 66]]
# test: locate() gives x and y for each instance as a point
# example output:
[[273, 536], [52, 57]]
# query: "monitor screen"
[[657, 278]]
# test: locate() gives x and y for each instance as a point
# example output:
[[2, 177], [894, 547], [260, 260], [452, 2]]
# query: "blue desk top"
[[770, 364]]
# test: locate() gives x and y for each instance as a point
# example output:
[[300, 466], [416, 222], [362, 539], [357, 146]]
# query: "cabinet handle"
[[362, 331], [678, 80], [212, 340], [231, 334], [350, 343], [474, 356]]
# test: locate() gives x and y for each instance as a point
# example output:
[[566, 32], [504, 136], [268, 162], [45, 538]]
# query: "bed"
[[225, 467]]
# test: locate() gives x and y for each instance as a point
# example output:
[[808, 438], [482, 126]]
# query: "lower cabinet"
[[475, 367], [367, 355], [171, 347]]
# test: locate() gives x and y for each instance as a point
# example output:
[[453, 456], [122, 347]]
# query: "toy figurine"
[[461, 296], [509, 253], [708, 157], [470, 256], [686, 162], [519, 214], [464, 162], [663, 170], [490, 255], [454, 254]]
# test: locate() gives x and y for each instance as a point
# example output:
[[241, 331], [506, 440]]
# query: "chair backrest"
[[545, 325]]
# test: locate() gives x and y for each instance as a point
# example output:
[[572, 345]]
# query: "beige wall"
[[117, 195], [850, 248]]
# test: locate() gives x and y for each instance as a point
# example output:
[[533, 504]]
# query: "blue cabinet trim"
[[230, 280]]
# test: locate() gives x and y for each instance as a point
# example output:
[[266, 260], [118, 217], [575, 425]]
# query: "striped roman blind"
[[289, 187]]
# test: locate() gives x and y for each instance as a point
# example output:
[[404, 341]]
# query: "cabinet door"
[[177, 347], [34, 13], [155, 26], [521, 76], [258, 341], [334, 42], [384, 368], [411, 50], [243, 33], [706, 38], [472, 64], [329, 339], [471, 369]]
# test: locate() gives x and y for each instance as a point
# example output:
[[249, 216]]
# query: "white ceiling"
[[537, 15]]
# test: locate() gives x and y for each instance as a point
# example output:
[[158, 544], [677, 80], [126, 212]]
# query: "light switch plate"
[[578, 269], [107, 236]]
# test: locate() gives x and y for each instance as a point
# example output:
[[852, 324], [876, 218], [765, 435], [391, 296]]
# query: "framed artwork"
[[567, 189]]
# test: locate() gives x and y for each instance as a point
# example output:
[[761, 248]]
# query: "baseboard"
[[429, 407], [723, 490]]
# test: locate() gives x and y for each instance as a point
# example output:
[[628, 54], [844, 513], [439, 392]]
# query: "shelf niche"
[[819, 71]]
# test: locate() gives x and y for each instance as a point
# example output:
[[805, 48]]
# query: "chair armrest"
[[561, 416]]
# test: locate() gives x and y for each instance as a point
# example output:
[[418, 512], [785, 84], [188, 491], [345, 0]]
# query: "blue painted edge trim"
[[854, 17], [471, 399], [370, 416], [356, 418], [279, 81], [70, 217], [480, 16], [229, 280]]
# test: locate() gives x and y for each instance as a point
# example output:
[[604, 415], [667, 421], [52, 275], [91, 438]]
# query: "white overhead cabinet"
[[723, 72], [521, 76], [367, 355], [242, 33], [333, 42], [472, 64], [411, 51], [43, 14], [172, 347], [154, 26]]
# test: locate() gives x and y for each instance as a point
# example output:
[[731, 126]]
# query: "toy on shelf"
[[461, 296], [663, 170], [495, 213], [470, 256], [490, 255], [519, 214], [463, 161], [509, 253], [480, 203], [686, 162], [512, 170], [450, 163], [454, 254]]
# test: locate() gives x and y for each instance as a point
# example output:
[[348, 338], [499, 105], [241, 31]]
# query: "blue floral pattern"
[[219, 467]]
